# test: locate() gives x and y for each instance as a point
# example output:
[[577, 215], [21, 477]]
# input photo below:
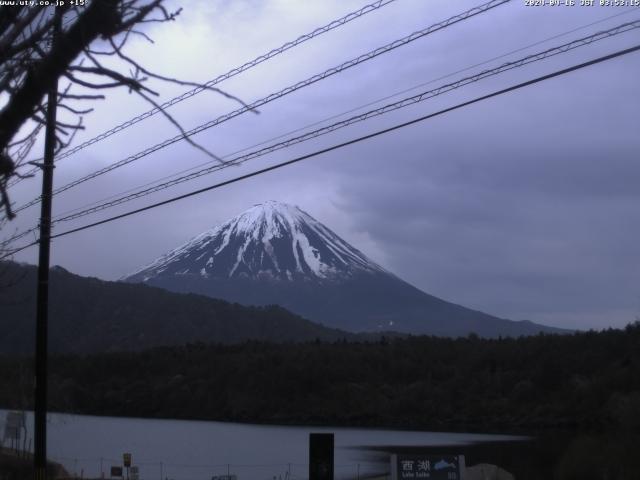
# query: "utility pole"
[[42, 309]]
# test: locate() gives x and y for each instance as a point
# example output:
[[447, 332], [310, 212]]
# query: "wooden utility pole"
[[42, 309]]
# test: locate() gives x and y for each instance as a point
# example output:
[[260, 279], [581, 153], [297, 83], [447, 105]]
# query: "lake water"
[[186, 450]]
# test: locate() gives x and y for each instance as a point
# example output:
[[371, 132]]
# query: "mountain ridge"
[[274, 253], [266, 231], [88, 315]]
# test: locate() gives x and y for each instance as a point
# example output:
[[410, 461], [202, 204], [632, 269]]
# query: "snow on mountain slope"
[[271, 240], [277, 254]]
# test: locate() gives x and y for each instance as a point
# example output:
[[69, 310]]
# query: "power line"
[[484, 62], [18, 236], [352, 110], [274, 96], [83, 211], [518, 86], [235, 71], [623, 28], [225, 76], [364, 116]]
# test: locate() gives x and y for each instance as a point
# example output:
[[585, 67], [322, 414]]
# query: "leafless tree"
[[30, 63]]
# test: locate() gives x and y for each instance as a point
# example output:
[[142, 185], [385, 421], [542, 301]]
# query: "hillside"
[[91, 315]]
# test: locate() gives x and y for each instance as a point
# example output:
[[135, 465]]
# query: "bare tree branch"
[[29, 66]]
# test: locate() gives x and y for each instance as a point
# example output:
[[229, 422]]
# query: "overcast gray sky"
[[525, 206]]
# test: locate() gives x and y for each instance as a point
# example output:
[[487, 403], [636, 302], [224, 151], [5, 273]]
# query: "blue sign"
[[427, 467]]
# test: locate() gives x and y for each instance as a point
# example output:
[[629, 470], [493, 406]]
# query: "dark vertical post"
[[321, 456], [40, 430]]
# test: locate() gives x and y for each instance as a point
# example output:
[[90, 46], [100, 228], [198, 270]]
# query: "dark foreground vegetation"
[[19, 466], [586, 381]]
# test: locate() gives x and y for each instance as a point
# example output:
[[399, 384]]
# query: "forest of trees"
[[586, 381]]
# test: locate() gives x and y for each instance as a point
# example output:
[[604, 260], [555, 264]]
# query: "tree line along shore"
[[585, 381]]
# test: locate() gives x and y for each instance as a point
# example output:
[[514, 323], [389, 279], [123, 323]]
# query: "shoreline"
[[522, 433]]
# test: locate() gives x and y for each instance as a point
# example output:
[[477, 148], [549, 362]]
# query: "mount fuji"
[[276, 253]]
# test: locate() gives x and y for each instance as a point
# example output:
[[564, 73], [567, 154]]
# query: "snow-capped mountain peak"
[[271, 240], [277, 254]]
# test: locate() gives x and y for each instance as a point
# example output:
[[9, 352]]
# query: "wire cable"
[[626, 27], [518, 86], [274, 96], [17, 236], [225, 76], [346, 112], [83, 211]]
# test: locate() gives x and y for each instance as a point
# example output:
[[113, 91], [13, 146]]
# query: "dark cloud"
[[524, 213]]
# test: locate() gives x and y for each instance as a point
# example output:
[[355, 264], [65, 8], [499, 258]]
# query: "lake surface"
[[190, 450]]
